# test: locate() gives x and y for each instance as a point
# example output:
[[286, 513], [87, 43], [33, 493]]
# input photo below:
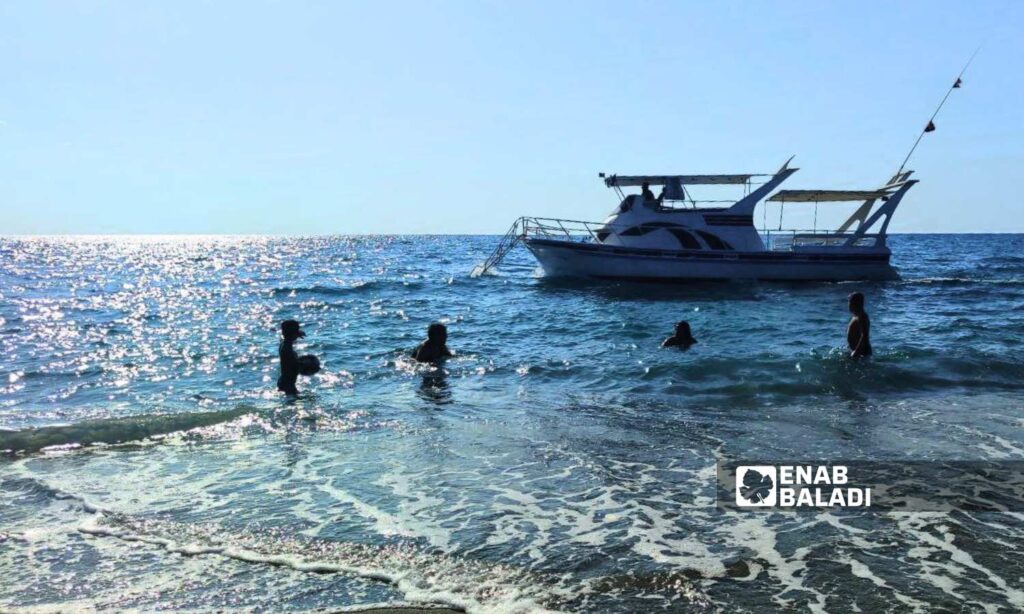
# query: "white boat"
[[675, 238]]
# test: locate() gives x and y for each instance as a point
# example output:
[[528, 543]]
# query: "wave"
[[354, 287], [113, 430], [36, 488], [430, 578], [962, 281], [1003, 260], [828, 373], [359, 286], [821, 372]]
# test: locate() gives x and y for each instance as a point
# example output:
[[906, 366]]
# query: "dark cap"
[[291, 327]]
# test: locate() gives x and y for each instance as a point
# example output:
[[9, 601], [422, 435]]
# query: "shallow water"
[[560, 461]]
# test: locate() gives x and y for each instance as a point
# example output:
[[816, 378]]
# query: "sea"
[[561, 461]]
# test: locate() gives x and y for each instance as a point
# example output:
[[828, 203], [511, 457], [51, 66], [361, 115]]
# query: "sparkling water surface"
[[560, 461]]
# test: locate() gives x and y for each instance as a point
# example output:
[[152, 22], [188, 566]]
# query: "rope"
[[937, 109]]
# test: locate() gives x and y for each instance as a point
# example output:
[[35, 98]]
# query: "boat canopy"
[[819, 196], [622, 181]]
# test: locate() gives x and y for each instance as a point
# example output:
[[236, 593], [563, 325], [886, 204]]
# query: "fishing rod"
[[930, 127]]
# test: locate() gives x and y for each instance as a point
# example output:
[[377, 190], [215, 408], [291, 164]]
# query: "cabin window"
[[602, 235], [635, 231], [713, 241], [686, 239]]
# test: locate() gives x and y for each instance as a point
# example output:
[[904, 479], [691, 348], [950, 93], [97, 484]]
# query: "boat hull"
[[593, 260]]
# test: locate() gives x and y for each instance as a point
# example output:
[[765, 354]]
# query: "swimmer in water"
[[858, 333], [435, 347], [682, 338], [290, 332]]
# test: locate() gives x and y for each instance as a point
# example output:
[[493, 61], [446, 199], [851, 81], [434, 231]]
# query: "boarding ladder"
[[511, 238]]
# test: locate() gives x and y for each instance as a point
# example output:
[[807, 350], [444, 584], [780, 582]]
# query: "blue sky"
[[404, 117]]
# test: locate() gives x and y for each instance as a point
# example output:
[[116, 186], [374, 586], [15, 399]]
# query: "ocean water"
[[561, 461]]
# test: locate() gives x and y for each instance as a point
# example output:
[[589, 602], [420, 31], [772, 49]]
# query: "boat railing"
[[553, 228], [537, 227]]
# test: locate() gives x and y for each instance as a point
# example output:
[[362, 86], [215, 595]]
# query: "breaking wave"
[[113, 430]]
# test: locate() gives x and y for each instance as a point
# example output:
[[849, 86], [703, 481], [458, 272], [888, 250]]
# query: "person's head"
[[856, 302], [683, 330], [291, 330], [437, 333], [645, 187]]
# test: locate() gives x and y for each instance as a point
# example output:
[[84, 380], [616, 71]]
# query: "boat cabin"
[[675, 220]]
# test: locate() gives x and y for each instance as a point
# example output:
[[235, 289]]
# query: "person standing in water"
[[435, 347], [290, 332], [682, 338], [858, 333]]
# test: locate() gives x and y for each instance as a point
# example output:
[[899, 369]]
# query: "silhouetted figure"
[[290, 331], [858, 333], [682, 338], [646, 193], [434, 348]]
